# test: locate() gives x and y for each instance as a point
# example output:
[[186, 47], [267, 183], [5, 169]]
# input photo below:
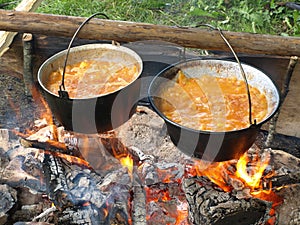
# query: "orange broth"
[[91, 78], [212, 103]]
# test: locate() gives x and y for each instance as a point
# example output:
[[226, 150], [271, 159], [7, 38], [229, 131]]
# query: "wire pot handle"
[[240, 66], [62, 91]]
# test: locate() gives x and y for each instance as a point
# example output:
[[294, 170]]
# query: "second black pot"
[[206, 145]]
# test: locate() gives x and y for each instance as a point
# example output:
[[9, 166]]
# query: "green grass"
[[255, 16]]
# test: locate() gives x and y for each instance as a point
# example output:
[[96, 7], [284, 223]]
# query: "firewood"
[[123, 31], [208, 204], [6, 38], [286, 167], [28, 63]]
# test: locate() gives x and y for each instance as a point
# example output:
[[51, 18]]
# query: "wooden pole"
[[27, 63], [283, 93], [122, 31], [6, 38]]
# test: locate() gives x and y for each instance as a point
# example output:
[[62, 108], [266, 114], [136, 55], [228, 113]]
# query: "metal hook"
[[240, 66], [62, 91]]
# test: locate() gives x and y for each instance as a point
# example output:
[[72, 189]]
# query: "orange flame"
[[127, 162], [253, 180], [182, 214], [251, 176], [216, 172], [38, 98], [105, 211]]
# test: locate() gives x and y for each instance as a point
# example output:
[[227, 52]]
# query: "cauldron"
[[209, 145], [93, 114]]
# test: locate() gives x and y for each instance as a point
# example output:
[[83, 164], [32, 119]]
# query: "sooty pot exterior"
[[210, 145], [93, 114]]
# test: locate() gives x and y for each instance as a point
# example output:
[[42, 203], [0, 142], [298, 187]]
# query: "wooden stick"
[[57, 149], [6, 38], [27, 63], [122, 31], [52, 146], [283, 93]]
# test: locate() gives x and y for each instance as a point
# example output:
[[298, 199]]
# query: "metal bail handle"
[[62, 90], [240, 66]]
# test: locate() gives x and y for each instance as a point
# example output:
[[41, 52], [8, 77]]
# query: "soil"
[[289, 119], [16, 109]]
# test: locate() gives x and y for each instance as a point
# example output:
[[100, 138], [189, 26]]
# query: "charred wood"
[[81, 215], [24, 171], [33, 223], [57, 149], [286, 167], [208, 204], [47, 145], [28, 63], [84, 197], [57, 186]]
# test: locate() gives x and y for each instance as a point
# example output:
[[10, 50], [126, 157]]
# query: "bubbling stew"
[[211, 103], [92, 78]]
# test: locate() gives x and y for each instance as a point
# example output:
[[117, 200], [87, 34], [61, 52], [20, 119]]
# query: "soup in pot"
[[92, 78], [211, 103]]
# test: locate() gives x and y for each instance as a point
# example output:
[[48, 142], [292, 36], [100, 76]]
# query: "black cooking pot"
[[93, 114], [99, 113], [207, 145]]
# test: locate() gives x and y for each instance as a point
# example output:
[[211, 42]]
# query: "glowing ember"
[[166, 205], [182, 214], [86, 204]]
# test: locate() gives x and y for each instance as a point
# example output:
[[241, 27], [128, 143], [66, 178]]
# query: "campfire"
[[135, 175]]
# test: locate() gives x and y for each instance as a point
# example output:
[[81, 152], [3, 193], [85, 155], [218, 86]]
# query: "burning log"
[[81, 194], [286, 169], [208, 204], [84, 197], [51, 146], [58, 149], [57, 187]]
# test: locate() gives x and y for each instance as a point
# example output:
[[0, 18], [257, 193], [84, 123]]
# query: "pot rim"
[[150, 97], [90, 47]]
